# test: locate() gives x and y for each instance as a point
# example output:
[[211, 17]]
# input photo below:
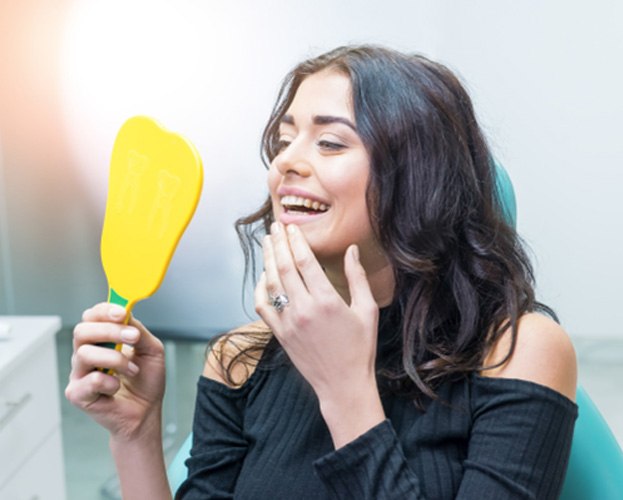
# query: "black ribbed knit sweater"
[[483, 438]]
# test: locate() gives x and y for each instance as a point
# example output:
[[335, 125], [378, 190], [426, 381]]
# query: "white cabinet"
[[31, 454]]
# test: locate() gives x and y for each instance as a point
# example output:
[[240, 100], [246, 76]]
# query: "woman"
[[400, 351]]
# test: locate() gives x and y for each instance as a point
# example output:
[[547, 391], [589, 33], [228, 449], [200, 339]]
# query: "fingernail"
[[274, 228], [116, 312], [133, 368], [354, 251], [129, 335], [291, 228]]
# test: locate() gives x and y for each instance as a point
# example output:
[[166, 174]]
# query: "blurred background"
[[545, 78]]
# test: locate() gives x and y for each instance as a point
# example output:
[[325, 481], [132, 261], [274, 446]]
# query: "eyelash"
[[331, 146], [281, 145], [322, 144]]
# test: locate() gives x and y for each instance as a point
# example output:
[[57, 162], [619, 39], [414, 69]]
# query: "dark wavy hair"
[[462, 274]]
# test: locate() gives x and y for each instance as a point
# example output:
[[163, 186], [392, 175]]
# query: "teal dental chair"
[[177, 471], [595, 469]]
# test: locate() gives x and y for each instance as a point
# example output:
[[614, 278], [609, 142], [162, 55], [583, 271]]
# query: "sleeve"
[[373, 466], [520, 441], [518, 449], [219, 445]]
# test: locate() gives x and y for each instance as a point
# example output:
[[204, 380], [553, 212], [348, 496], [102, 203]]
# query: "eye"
[[330, 145], [282, 144]]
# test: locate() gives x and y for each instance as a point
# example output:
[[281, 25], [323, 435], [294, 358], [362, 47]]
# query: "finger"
[[288, 273], [272, 279], [88, 357], [105, 311], [145, 343], [309, 268], [360, 293], [87, 390], [95, 333], [263, 303]]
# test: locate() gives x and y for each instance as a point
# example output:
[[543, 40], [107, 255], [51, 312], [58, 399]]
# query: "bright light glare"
[[120, 59]]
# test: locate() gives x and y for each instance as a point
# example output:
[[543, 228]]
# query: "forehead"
[[327, 92]]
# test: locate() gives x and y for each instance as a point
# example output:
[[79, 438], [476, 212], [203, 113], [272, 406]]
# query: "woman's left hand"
[[332, 343]]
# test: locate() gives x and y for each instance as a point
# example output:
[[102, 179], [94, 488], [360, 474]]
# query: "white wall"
[[547, 80], [545, 77]]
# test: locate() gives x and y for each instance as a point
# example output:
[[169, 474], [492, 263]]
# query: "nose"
[[293, 160]]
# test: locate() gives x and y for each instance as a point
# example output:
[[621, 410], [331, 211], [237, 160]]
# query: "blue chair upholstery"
[[177, 470], [596, 464], [506, 194]]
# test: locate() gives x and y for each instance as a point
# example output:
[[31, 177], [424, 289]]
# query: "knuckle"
[[303, 261], [262, 299], [77, 329], [81, 336], [371, 309], [283, 268], [271, 288], [303, 319], [69, 393], [95, 381], [82, 352], [327, 305], [79, 355]]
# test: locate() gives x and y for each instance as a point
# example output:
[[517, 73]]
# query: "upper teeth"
[[303, 202]]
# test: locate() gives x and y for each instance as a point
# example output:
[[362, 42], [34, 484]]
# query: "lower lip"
[[294, 218]]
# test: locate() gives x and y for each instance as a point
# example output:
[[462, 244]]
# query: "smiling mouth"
[[301, 205]]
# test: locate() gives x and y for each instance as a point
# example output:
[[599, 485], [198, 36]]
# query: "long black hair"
[[461, 272]]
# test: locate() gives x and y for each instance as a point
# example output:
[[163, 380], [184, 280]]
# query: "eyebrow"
[[322, 120]]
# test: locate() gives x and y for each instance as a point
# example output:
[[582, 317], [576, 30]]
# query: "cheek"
[[358, 215], [354, 195], [273, 178]]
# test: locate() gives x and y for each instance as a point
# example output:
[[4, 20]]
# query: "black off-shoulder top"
[[483, 438]]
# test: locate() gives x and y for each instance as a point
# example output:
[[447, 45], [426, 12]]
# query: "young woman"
[[400, 352]]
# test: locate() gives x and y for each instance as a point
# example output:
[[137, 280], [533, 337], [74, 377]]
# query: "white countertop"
[[24, 334]]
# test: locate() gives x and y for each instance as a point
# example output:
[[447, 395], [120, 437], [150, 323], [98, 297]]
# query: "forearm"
[[140, 463]]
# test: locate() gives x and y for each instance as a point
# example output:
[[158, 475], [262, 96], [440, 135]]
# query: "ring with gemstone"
[[279, 302]]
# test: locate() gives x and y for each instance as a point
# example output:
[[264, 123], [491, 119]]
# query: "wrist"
[[146, 441], [139, 460], [144, 429], [349, 416]]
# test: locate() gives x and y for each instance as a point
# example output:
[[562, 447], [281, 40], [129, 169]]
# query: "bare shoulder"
[[232, 359], [544, 354]]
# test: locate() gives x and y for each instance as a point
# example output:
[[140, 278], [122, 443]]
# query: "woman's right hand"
[[124, 402]]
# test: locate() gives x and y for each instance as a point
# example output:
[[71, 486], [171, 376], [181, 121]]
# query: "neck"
[[380, 277]]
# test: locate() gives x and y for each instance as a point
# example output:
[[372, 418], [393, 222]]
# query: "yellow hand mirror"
[[154, 185]]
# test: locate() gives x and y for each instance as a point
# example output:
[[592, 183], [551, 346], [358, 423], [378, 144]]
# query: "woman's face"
[[318, 180]]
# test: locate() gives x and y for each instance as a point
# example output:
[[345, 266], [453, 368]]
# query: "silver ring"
[[279, 302]]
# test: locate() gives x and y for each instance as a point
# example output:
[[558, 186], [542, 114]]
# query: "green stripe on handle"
[[113, 298]]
